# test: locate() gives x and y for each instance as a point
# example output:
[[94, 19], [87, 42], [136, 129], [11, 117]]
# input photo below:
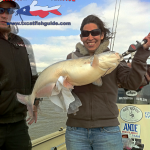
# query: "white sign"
[[131, 114], [133, 130], [131, 93]]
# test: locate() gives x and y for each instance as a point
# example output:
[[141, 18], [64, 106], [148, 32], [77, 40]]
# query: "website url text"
[[39, 23]]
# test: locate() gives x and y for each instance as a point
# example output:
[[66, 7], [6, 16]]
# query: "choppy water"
[[49, 120]]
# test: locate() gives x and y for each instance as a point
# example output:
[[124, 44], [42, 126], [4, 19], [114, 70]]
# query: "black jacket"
[[15, 77]]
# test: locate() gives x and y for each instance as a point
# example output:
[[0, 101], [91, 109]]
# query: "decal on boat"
[[133, 130], [131, 114], [147, 115], [131, 93]]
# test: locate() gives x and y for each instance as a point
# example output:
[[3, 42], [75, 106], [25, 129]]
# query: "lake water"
[[49, 120]]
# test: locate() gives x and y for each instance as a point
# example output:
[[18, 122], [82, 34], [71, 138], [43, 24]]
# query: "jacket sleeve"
[[34, 74], [132, 78]]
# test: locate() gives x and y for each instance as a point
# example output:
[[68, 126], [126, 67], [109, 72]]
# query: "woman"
[[95, 125]]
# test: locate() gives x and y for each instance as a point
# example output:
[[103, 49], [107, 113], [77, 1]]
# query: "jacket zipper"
[[12, 56], [13, 62]]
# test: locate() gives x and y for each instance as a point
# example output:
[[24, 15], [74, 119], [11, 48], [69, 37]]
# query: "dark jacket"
[[99, 107], [15, 77]]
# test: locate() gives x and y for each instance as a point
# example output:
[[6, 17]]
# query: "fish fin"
[[95, 61], [74, 56], [26, 100], [45, 91], [67, 84], [98, 82], [23, 98], [74, 106]]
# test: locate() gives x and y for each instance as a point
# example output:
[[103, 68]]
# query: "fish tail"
[[27, 100]]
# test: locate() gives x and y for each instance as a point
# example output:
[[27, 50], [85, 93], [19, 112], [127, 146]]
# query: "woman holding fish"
[[93, 70], [95, 125]]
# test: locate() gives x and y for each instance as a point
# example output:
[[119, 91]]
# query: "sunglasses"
[[94, 32], [9, 10]]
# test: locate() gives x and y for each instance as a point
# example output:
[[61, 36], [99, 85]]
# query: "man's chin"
[[5, 29]]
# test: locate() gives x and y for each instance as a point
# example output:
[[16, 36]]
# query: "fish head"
[[119, 56], [110, 56], [108, 61]]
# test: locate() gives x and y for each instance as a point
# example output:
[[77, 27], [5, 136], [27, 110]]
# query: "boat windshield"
[[134, 97]]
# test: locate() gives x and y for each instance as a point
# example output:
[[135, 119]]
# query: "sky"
[[53, 43]]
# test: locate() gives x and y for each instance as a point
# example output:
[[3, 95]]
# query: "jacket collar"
[[10, 36], [103, 46]]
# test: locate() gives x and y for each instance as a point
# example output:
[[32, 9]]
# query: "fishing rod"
[[134, 47], [132, 50], [114, 32]]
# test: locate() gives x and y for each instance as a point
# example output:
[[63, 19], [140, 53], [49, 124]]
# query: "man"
[[16, 75]]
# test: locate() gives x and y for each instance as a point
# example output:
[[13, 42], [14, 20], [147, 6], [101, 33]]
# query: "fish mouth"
[[121, 57]]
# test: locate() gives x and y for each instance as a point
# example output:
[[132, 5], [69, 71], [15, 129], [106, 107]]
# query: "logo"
[[33, 10], [131, 114], [132, 130], [131, 93]]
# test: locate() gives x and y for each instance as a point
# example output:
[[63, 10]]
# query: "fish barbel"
[[76, 72]]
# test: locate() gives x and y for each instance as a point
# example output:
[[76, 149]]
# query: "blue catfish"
[[76, 72]]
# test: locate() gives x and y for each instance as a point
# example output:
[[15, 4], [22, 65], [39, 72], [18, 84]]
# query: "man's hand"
[[35, 108], [147, 45]]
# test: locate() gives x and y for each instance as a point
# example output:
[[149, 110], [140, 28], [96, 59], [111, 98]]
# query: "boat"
[[53, 141], [134, 116]]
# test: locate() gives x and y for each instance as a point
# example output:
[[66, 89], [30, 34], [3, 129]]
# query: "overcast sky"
[[53, 43]]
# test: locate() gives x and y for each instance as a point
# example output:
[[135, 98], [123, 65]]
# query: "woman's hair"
[[101, 25]]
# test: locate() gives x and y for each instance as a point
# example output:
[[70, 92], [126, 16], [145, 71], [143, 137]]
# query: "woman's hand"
[[147, 45]]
